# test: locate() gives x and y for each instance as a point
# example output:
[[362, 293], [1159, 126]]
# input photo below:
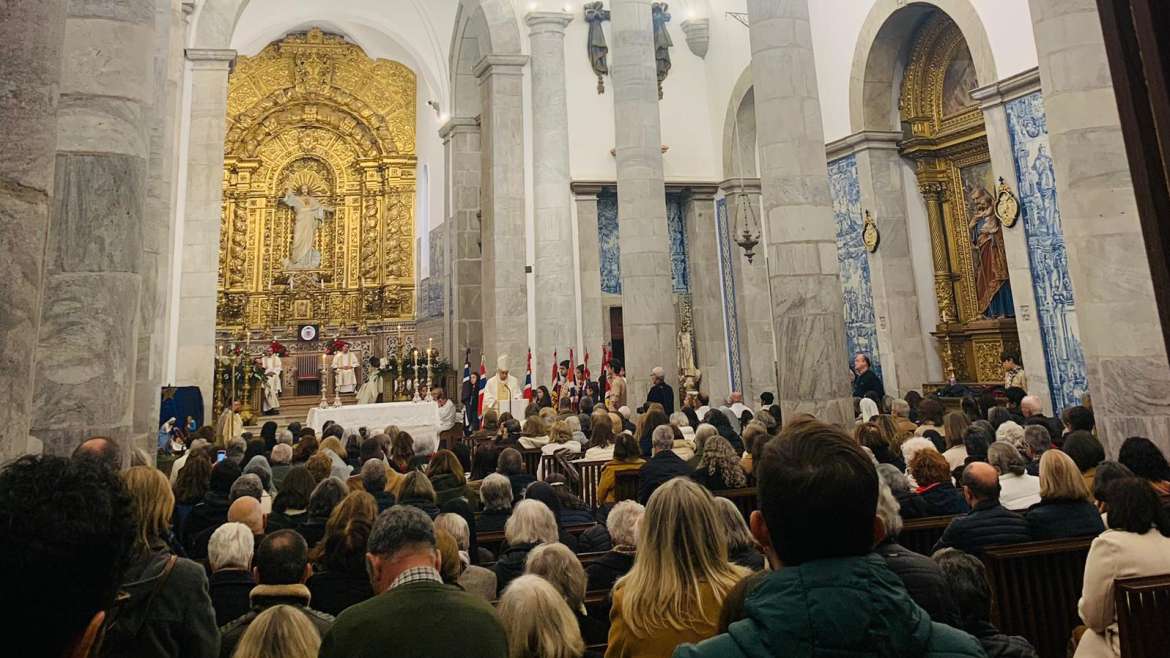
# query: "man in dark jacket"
[[404, 569], [663, 466], [866, 381], [988, 523], [921, 576], [281, 569], [966, 580], [660, 391], [817, 520]]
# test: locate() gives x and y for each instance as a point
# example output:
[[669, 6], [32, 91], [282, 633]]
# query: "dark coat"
[[944, 499], [431, 509], [520, 482], [594, 540], [923, 579], [656, 472], [447, 488], [510, 564], [177, 621], [267, 596], [911, 505], [210, 513], [312, 529], [284, 521], [866, 382], [229, 590], [385, 500], [605, 570], [492, 521], [421, 619], [278, 473], [663, 394], [748, 557], [334, 591], [999, 645], [594, 629], [989, 524], [1058, 519], [713, 482]]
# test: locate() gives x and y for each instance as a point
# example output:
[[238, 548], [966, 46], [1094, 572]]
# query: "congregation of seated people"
[[373, 542]]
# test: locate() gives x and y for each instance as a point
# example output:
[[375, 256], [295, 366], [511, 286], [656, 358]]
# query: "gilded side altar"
[[312, 114]]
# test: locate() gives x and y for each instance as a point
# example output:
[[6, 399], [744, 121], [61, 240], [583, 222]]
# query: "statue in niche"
[[662, 42], [310, 213], [992, 288], [595, 15]]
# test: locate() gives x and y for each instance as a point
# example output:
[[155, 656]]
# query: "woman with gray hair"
[[1018, 490], [474, 578], [532, 523], [537, 622], [229, 554], [703, 432], [741, 548], [622, 524], [495, 491], [910, 504], [560, 566]]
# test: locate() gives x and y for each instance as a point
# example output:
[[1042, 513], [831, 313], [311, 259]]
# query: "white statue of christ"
[[309, 214]]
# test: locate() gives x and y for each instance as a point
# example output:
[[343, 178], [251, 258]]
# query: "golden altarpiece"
[[945, 137], [313, 121]]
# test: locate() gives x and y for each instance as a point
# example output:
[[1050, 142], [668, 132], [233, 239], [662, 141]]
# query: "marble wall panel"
[[1047, 255], [727, 285], [853, 259]]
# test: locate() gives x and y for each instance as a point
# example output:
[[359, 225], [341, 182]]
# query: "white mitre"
[[502, 363]]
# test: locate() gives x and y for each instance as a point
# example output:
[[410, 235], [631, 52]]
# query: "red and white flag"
[[528, 378], [482, 382]]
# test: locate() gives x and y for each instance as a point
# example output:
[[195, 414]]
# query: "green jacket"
[[838, 607], [421, 620]]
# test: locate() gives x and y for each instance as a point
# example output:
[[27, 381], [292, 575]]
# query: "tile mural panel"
[[1047, 256], [676, 229], [727, 288], [607, 238], [860, 327]]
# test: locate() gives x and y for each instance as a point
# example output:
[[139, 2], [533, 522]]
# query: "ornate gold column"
[[934, 193]]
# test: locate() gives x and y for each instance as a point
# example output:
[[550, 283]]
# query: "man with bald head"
[[988, 523], [246, 510], [100, 449]]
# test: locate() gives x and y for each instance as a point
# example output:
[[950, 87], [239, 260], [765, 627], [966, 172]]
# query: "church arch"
[[482, 27], [741, 115]]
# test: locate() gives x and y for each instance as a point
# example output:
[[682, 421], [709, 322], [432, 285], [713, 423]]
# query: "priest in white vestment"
[[344, 377], [230, 425], [501, 388], [369, 392], [272, 385], [446, 409]]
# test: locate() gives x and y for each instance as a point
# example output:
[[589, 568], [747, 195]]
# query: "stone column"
[[592, 314], [31, 36], [1120, 332], [87, 344], [461, 143], [201, 219], [798, 212], [505, 285], [706, 290], [895, 296], [648, 320], [556, 307], [753, 300]]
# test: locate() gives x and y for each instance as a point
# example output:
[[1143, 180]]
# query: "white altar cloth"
[[419, 419]]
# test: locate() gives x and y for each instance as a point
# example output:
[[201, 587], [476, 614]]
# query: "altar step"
[[295, 408]]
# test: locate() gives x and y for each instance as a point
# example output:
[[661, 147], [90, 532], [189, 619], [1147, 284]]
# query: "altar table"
[[419, 419]]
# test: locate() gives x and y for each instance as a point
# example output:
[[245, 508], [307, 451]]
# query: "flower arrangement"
[[334, 346], [278, 348]]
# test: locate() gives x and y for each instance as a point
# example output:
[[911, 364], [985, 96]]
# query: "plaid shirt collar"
[[416, 575]]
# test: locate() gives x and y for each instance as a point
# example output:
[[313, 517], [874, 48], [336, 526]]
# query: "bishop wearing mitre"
[[344, 362], [501, 388]]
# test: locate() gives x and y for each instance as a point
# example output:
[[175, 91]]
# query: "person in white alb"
[[272, 385], [735, 402], [500, 388], [446, 409], [344, 363]]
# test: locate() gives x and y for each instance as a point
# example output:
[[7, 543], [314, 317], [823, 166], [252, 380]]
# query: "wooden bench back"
[[920, 535], [590, 475], [494, 540], [626, 485], [1035, 588], [1143, 616], [531, 460]]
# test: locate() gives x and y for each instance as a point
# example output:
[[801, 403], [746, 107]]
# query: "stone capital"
[[548, 22], [701, 193], [862, 141], [745, 185], [456, 125], [500, 65], [1008, 89], [587, 189], [211, 58], [698, 31]]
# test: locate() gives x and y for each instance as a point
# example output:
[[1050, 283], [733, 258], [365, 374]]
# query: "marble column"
[[505, 285], [556, 307], [94, 267], [202, 207], [31, 37], [1120, 331], [901, 347], [464, 165], [754, 316], [798, 212], [157, 245], [648, 318], [592, 314], [706, 290]]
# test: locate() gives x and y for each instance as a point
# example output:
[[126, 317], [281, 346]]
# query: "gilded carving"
[[312, 112]]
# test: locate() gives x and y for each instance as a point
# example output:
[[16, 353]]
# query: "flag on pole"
[[604, 376], [465, 388], [482, 384], [588, 375], [528, 379], [554, 384], [572, 377]]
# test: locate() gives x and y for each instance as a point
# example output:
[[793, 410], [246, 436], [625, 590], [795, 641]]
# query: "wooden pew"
[[494, 540], [626, 485], [1143, 616], [920, 535], [1035, 588], [531, 460]]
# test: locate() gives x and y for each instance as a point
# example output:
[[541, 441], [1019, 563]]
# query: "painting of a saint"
[[958, 83], [992, 290]]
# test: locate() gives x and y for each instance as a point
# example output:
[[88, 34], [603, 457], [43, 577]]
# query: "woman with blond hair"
[[955, 424], [681, 575], [1066, 506], [538, 622], [340, 557], [719, 467], [561, 567], [448, 479], [532, 523], [417, 491], [281, 631], [161, 586]]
